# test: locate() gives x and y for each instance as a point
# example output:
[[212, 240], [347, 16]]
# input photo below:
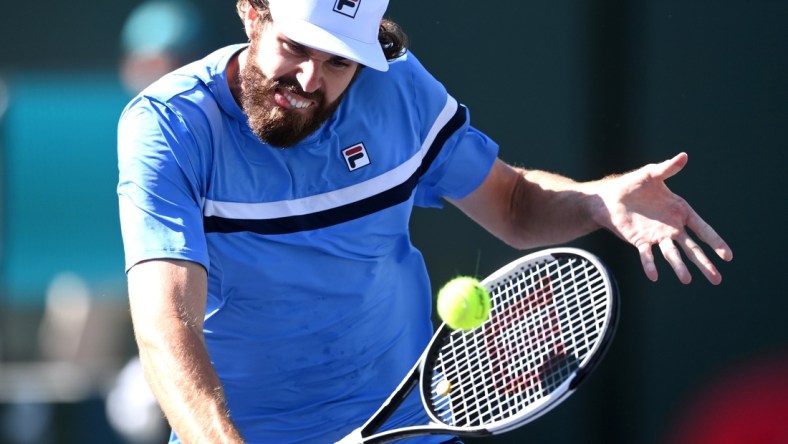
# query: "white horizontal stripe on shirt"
[[335, 198]]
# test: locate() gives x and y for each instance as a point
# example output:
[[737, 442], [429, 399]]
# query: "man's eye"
[[293, 48], [340, 63]]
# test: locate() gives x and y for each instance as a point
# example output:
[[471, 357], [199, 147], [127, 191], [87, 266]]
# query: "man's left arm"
[[531, 208]]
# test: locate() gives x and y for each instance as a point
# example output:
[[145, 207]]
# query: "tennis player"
[[265, 193]]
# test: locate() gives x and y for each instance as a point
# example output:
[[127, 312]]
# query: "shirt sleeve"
[[158, 186], [459, 157], [459, 169]]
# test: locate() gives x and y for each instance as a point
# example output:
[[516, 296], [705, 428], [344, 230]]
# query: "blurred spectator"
[[132, 409], [159, 36], [67, 307]]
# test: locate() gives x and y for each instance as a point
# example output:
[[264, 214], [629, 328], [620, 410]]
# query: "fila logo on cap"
[[347, 7], [356, 156]]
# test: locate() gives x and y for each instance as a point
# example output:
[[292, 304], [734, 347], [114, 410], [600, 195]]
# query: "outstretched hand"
[[644, 212]]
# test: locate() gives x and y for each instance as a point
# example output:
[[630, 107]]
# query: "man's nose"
[[310, 76]]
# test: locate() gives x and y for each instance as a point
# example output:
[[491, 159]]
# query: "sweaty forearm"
[[550, 209], [179, 371], [531, 208]]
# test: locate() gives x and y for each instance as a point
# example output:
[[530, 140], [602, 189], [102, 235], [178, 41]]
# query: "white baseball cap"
[[347, 28]]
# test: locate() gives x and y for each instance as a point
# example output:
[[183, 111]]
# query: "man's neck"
[[234, 66]]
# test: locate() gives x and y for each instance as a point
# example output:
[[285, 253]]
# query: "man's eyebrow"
[[337, 58], [290, 42], [294, 44]]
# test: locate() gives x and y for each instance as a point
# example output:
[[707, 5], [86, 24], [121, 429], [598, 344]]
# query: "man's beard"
[[274, 125]]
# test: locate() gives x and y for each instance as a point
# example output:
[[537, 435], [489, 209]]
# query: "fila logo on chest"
[[356, 156]]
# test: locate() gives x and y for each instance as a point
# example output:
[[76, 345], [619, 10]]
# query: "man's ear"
[[250, 19]]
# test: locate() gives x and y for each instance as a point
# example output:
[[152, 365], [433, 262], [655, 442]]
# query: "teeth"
[[295, 103]]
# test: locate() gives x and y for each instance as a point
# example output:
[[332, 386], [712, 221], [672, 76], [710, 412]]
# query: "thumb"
[[670, 167]]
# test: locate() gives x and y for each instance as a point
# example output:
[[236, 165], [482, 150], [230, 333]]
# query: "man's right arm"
[[168, 299]]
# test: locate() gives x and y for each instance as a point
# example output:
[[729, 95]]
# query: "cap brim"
[[305, 33]]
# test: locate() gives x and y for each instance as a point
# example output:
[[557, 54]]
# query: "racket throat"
[[388, 408]]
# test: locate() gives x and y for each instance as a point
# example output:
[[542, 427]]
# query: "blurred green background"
[[581, 88]]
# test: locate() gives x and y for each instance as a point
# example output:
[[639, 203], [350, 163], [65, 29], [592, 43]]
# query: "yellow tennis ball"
[[463, 303]]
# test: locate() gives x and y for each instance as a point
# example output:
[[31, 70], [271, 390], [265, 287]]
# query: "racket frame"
[[419, 374]]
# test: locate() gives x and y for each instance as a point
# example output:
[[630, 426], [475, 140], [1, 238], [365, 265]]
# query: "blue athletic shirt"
[[318, 303]]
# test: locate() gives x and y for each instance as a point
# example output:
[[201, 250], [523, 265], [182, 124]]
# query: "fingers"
[[707, 234], [695, 254], [671, 254], [647, 260], [674, 258]]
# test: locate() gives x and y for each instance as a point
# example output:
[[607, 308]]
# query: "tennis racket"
[[553, 316]]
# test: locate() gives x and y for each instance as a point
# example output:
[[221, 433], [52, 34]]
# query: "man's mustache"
[[292, 85]]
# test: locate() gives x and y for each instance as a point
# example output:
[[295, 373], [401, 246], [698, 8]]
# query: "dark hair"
[[392, 38]]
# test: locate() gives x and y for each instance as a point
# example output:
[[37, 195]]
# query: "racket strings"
[[545, 321]]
